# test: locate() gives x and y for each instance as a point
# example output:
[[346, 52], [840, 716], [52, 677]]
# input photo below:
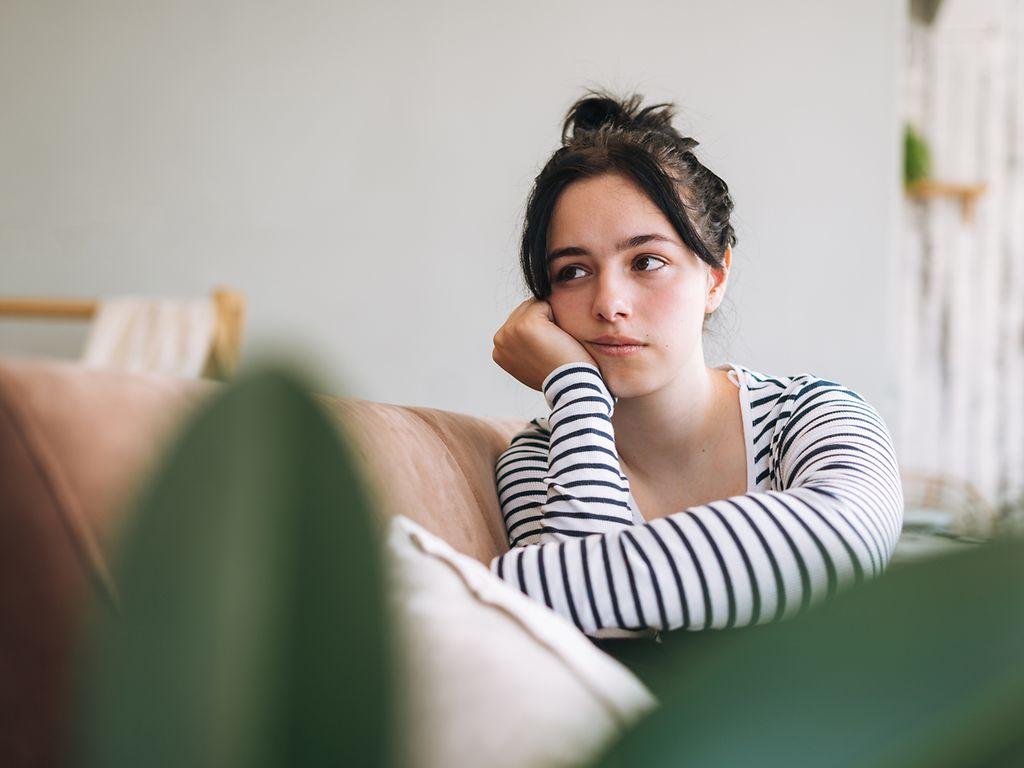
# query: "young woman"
[[660, 493]]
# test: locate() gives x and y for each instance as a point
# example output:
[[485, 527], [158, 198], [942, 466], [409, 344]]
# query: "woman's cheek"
[[565, 311], [672, 306]]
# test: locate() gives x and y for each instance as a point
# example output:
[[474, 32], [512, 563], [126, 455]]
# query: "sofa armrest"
[[62, 489]]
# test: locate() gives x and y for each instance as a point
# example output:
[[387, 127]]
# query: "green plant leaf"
[[916, 156], [253, 628], [921, 667]]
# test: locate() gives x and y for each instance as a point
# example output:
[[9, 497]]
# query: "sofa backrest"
[[435, 467], [76, 445]]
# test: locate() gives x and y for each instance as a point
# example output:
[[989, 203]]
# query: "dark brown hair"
[[603, 134]]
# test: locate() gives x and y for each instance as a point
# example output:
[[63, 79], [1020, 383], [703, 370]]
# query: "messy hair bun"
[[602, 133], [601, 111]]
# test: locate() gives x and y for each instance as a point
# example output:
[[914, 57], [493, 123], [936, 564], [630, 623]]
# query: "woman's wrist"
[[573, 373]]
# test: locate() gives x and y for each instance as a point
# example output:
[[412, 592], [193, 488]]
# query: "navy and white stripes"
[[827, 511], [577, 470]]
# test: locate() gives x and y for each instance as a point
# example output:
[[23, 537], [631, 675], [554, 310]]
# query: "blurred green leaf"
[[253, 628], [917, 160], [921, 667]]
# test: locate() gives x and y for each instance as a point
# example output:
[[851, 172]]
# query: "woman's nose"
[[611, 298]]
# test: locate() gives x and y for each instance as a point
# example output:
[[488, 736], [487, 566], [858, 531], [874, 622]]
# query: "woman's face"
[[655, 291]]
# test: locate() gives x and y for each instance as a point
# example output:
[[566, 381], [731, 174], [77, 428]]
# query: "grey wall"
[[360, 171]]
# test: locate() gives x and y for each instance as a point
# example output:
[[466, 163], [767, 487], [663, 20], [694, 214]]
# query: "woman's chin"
[[624, 384]]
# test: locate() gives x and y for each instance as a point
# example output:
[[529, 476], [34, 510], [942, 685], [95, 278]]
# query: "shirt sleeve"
[[565, 481], [748, 559]]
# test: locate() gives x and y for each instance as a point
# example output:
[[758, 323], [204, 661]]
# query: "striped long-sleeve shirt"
[[823, 509]]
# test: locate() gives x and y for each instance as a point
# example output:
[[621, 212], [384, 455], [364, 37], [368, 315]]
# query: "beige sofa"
[[75, 446], [76, 443]]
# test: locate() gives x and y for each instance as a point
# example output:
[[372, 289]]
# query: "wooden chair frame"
[[224, 355]]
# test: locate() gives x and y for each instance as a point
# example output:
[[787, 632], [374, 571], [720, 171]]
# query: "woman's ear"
[[718, 277]]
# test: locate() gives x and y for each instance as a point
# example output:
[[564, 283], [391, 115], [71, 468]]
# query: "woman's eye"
[[564, 275], [654, 259]]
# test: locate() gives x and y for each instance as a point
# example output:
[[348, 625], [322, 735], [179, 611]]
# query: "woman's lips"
[[617, 350]]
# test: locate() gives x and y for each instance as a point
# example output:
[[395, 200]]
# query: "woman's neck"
[[658, 432]]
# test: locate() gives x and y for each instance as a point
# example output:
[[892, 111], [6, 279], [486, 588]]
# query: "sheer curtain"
[[961, 283]]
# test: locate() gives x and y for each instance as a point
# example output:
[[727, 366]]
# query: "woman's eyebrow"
[[633, 242]]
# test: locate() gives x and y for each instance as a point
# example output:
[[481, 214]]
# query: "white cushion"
[[492, 677]]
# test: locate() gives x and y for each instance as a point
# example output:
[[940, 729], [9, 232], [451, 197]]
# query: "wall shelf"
[[968, 194]]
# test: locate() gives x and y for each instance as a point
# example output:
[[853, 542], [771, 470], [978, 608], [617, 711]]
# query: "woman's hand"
[[530, 345]]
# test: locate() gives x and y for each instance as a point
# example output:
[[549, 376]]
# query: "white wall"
[[360, 170]]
